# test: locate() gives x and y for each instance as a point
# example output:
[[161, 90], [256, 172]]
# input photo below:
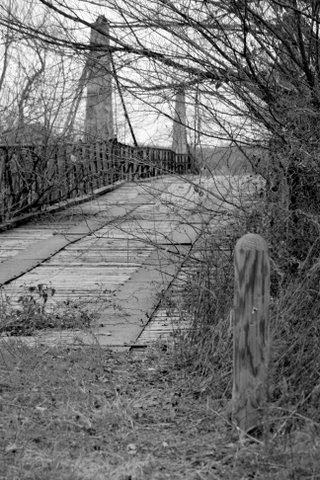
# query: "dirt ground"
[[88, 413]]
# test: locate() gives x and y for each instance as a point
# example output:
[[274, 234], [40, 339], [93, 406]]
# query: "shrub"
[[30, 313], [294, 313]]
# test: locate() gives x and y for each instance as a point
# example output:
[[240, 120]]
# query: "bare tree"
[[249, 69]]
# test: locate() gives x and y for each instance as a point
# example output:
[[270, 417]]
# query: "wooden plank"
[[113, 263], [61, 206], [136, 300], [40, 251]]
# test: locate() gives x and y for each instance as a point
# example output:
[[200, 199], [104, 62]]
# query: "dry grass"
[[92, 414], [29, 313], [290, 437]]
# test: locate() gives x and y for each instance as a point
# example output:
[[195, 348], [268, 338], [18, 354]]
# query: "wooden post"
[[251, 341], [2, 184], [61, 172]]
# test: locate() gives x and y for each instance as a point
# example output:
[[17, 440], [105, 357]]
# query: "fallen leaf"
[[132, 448], [11, 448], [40, 409]]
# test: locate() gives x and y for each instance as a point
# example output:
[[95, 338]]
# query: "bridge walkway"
[[111, 256]]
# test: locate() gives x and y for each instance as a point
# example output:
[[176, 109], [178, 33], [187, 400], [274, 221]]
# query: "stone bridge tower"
[[99, 114], [179, 135]]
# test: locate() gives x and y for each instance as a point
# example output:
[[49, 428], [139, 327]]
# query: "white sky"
[[150, 126]]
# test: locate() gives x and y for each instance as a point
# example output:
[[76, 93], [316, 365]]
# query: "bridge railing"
[[34, 176]]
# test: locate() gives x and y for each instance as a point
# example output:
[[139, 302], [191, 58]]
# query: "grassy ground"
[[87, 413], [93, 414]]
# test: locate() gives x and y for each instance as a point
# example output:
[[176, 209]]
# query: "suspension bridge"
[[99, 226], [108, 235]]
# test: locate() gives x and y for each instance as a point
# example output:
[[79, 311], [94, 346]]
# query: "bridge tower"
[[179, 136], [99, 112]]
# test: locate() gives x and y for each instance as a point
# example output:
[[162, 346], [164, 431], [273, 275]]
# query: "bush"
[[294, 314]]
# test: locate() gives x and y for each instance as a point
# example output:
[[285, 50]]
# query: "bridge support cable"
[[123, 103]]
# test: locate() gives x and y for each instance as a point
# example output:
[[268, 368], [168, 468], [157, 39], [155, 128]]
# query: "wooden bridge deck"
[[112, 255]]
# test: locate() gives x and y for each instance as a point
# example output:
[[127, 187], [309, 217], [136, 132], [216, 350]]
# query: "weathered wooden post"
[[251, 342]]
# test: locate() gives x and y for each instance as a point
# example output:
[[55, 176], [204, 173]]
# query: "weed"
[[31, 312], [290, 442]]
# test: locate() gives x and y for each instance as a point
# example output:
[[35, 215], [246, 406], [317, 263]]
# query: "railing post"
[[251, 342]]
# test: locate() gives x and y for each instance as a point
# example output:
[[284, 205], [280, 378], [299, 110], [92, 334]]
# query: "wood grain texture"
[[251, 330], [112, 255]]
